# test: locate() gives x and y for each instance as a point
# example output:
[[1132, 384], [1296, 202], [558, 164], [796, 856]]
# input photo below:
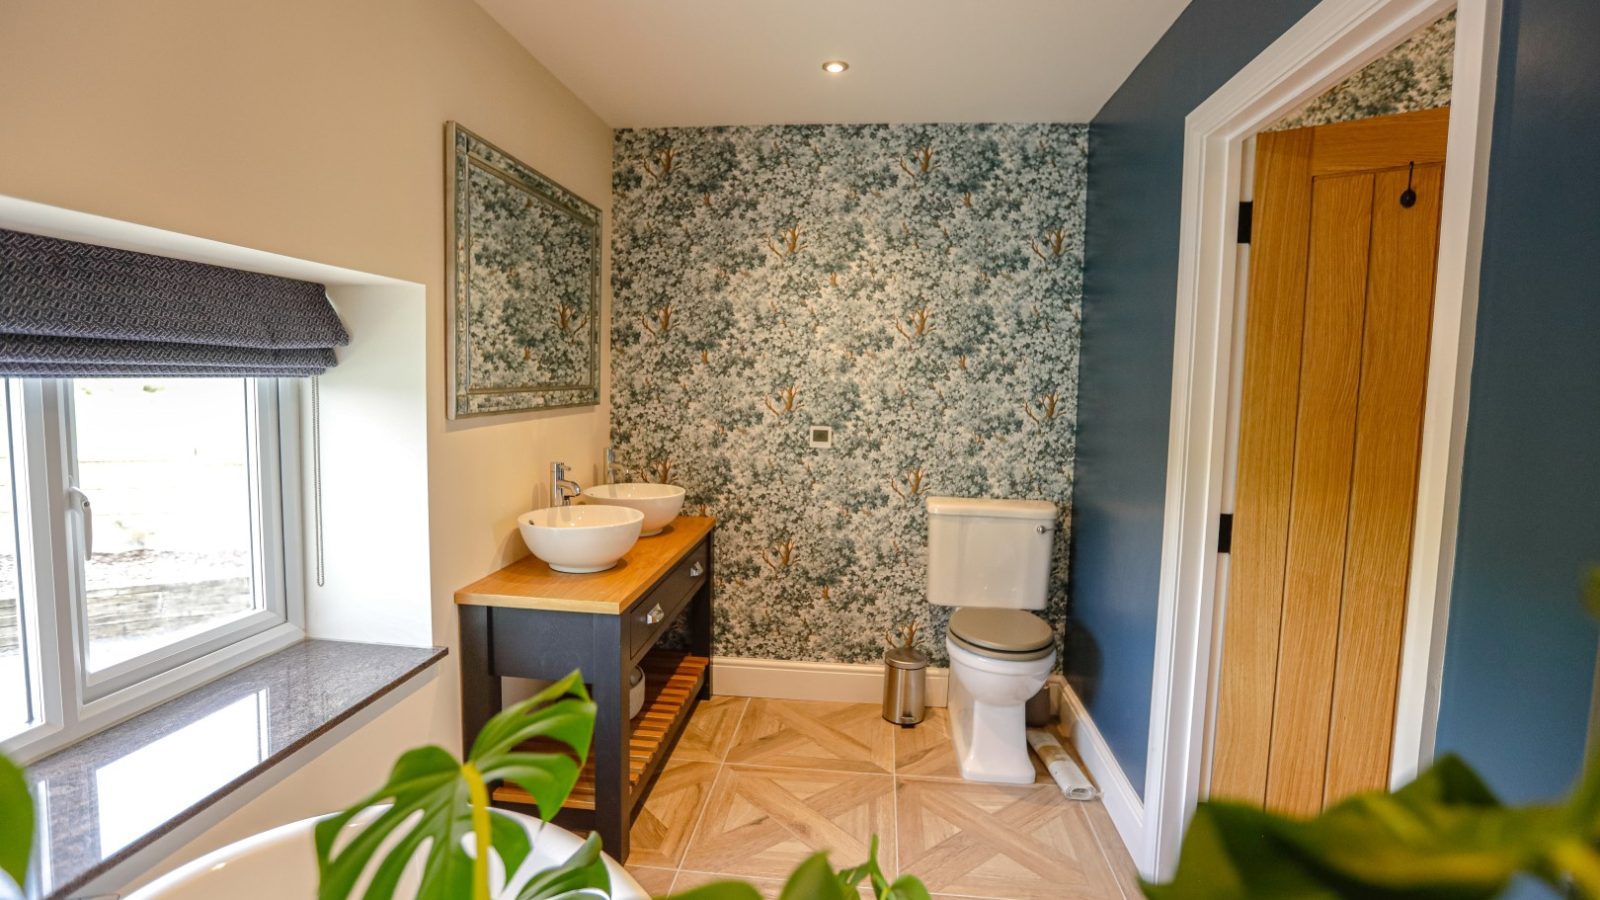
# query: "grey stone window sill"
[[104, 799]]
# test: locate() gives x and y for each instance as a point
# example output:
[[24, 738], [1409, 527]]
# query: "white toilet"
[[991, 559]]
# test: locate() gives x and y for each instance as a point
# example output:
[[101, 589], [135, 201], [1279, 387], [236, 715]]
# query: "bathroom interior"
[[668, 442]]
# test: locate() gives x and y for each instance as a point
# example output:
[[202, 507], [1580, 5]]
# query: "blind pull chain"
[[316, 471]]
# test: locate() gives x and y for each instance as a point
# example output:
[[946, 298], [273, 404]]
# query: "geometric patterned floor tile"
[[656, 882], [770, 888], [710, 731], [1111, 847], [927, 751], [687, 880], [662, 828], [833, 737], [1017, 842], [763, 822], [755, 786]]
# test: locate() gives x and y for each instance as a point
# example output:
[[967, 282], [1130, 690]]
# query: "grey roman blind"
[[71, 309]]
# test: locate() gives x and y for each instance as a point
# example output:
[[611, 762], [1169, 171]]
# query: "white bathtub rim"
[[541, 836]]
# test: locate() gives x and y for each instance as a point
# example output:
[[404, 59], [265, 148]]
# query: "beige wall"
[[314, 128]]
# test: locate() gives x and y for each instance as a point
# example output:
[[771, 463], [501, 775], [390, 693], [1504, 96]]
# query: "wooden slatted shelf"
[[672, 681]]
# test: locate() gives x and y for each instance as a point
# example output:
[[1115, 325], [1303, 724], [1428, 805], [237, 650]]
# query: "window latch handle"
[[87, 510]]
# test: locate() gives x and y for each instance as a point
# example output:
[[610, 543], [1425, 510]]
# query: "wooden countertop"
[[530, 583]]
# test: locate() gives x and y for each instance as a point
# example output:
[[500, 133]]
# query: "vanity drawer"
[[651, 615]]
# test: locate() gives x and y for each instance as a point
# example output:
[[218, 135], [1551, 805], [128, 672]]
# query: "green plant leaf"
[[387, 875], [815, 880], [16, 822], [906, 887], [549, 777], [563, 716], [852, 877], [1584, 805], [427, 780], [584, 870], [509, 840], [720, 890], [1443, 835], [431, 804], [434, 800]]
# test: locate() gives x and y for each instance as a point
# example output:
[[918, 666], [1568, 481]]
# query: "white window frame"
[[71, 703]]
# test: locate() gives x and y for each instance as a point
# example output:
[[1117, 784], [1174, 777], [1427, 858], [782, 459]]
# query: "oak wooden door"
[[1335, 367]]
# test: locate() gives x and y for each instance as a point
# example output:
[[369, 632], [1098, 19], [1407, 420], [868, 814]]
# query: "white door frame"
[[1333, 40]]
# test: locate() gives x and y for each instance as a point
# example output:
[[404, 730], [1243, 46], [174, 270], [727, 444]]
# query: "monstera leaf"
[[1442, 836], [434, 799], [16, 822], [815, 879], [582, 875]]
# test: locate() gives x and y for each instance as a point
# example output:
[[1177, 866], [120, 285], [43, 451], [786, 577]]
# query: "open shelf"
[[672, 681]]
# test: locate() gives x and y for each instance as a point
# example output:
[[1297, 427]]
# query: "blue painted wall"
[[1519, 661], [1125, 364], [1521, 654]]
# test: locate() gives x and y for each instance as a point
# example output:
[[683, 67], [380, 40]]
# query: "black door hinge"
[[1225, 533], [1246, 220]]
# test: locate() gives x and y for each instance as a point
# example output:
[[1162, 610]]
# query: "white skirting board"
[[1121, 800], [734, 676]]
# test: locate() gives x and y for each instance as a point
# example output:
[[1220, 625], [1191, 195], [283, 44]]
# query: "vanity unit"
[[529, 621]]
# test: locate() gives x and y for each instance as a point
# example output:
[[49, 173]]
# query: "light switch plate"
[[822, 436]]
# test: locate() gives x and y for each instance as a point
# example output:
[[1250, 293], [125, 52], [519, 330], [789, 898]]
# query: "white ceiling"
[[641, 63]]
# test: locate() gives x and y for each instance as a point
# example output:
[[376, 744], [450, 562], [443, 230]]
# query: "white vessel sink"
[[660, 503], [282, 863], [579, 539]]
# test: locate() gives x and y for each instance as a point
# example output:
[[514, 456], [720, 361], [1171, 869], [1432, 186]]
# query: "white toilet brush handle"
[[1073, 783]]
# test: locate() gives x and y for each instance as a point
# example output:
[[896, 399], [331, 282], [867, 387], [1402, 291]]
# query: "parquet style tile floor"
[[756, 786]]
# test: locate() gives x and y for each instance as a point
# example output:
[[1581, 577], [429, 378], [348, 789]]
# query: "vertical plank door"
[[1335, 369], [1273, 328]]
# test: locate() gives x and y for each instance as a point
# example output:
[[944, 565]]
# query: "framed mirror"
[[524, 283]]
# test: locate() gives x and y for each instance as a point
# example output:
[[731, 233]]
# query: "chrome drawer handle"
[[655, 615], [696, 570]]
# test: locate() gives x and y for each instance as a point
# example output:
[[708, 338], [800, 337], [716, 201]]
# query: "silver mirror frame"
[[469, 396]]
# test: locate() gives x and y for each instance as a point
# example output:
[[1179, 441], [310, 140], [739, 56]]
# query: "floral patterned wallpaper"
[[915, 288], [1413, 76]]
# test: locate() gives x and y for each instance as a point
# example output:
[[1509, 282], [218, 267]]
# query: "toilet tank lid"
[[1035, 510]]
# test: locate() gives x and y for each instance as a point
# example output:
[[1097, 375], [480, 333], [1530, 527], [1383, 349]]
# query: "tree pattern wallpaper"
[[915, 288], [1413, 76]]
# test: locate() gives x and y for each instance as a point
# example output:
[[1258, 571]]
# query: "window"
[[144, 544], [16, 689]]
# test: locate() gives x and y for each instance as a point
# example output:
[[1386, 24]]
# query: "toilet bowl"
[[999, 658]]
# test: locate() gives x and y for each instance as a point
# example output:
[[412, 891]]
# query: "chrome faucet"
[[562, 488], [611, 465]]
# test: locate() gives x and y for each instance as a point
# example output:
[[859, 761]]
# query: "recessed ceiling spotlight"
[[835, 66]]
